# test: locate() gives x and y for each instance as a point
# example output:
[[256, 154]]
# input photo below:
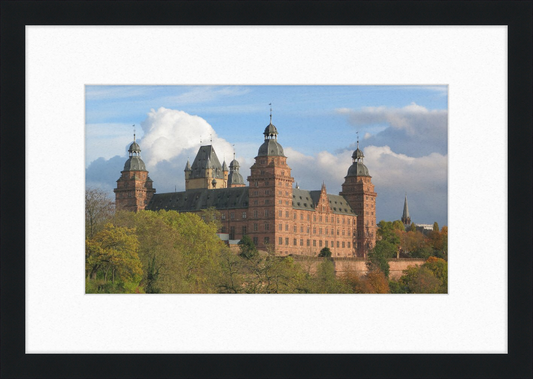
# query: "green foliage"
[[171, 252], [378, 257], [431, 277], [325, 253], [326, 280], [113, 253], [390, 232], [412, 228], [439, 267], [423, 252], [247, 248], [435, 226]]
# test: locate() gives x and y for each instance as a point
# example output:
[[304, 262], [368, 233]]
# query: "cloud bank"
[[172, 136], [412, 130]]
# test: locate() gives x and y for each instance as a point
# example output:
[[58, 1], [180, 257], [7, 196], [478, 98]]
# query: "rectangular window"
[[255, 213], [343, 232], [223, 229], [232, 215], [244, 230], [307, 230], [320, 231], [243, 214], [287, 214], [308, 242], [343, 244], [301, 229], [286, 241], [280, 227], [326, 243], [267, 201], [223, 216], [286, 227], [337, 231], [320, 243], [314, 218], [295, 229], [332, 244], [295, 243], [326, 218], [267, 240], [255, 241], [348, 245], [295, 215], [267, 226], [255, 227], [314, 242], [280, 213], [326, 230], [338, 243], [301, 242], [314, 230], [301, 216], [280, 241], [266, 213], [232, 233], [320, 219]]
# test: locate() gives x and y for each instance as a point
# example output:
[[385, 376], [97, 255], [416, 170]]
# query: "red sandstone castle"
[[269, 210]]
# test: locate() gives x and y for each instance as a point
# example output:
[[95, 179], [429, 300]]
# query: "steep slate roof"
[[206, 158], [307, 200], [198, 199]]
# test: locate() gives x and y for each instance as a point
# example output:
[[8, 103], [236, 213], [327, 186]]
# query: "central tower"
[[358, 190], [270, 190]]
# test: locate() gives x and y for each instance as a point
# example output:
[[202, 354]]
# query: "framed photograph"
[[75, 68]]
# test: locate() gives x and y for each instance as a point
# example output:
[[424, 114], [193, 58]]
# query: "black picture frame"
[[516, 14]]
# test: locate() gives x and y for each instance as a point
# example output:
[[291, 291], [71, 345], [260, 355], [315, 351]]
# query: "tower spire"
[[406, 219], [133, 132], [270, 112]]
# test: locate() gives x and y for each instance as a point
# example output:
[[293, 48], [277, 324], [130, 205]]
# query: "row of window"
[[320, 242], [266, 241]]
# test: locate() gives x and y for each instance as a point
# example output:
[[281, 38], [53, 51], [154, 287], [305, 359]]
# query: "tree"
[[431, 277], [98, 210], [325, 253], [112, 253], [326, 280], [412, 228], [378, 257], [247, 248], [439, 267], [435, 226]]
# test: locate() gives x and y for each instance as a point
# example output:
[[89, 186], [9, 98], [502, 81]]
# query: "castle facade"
[[270, 210]]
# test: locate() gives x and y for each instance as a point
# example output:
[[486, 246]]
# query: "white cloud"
[[412, 130], [170, 133], [424, 179]]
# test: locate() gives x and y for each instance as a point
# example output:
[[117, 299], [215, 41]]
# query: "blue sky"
[[402, 131]]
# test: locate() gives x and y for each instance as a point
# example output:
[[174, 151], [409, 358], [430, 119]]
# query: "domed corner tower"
[[235, 178], [358, 191], [270, 192], [134, 187]]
